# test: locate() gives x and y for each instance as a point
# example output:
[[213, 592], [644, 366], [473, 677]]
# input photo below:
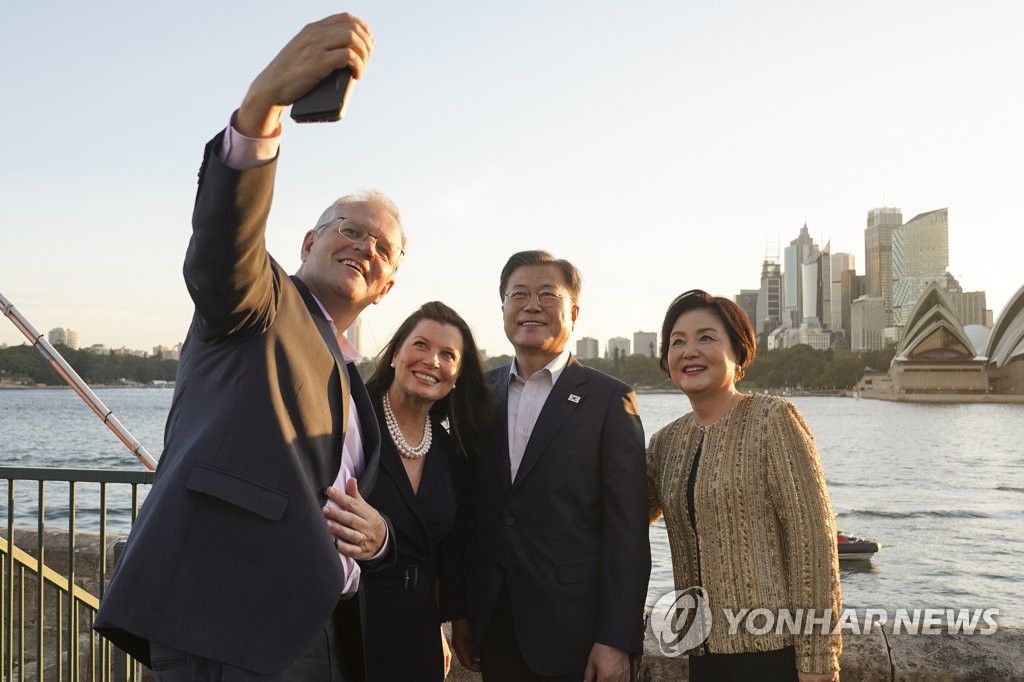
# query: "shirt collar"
[[348, 350], [554, 367]]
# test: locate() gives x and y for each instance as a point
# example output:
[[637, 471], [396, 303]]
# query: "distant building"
[[167, 352], [878, 254], [747, 299], [920, 257], [617, 346], [867, 320], [769, 299], [63, 337], [969, 307], [845, 286], [355, 334], [799, 251], [123, 350], [586, 348], [98, 349], [939, 359], [812, 301], [645, 343], [810, 334]]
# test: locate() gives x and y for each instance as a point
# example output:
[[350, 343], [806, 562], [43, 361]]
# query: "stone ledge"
[[877, 657]]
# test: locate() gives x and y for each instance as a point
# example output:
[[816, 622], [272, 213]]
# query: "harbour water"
[[940, 486]]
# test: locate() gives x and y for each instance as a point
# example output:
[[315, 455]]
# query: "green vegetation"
[[24, 365], [798, 368]]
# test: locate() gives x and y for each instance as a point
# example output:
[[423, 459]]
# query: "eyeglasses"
[[355, 232], [520, 297]]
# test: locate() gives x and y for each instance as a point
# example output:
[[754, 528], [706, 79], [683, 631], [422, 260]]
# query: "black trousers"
[[755, 666], [500, 658], [334, 655]]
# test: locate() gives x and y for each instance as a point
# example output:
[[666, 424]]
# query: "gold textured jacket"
[[767, 534]]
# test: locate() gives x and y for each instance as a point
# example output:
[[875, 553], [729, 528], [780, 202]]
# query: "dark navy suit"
[[567, 540], [403, 616]]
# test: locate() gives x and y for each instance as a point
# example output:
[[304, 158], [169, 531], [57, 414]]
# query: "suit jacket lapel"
[[368, 427], [351, 386], [324, 327], [563, 400], [499, 451]]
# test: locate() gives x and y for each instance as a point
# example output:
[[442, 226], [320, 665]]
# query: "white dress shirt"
[[526, 397]]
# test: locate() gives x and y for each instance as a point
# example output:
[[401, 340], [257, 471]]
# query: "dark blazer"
[[403, 597], [230, 558], [569, 536]]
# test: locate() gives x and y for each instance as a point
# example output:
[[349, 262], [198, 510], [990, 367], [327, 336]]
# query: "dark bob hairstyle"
[[737, 325]]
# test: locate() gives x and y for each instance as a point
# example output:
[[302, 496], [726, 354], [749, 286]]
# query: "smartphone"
[[326, 101]]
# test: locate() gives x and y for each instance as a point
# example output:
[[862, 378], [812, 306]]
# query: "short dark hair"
[[737, 325], [468, 406], [573, 280]]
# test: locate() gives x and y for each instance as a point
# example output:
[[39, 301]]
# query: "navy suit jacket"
[[569, 535], [230, 558]]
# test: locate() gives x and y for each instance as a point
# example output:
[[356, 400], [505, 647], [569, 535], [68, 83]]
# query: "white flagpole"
[[70, 376]]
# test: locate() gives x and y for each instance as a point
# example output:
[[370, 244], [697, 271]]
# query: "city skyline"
[[661, 148], [809, 251]]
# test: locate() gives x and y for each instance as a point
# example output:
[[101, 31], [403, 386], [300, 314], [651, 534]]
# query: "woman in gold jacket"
[[740, 484]]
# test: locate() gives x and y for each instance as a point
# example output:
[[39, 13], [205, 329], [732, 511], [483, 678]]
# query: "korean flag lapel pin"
[[573, 398]]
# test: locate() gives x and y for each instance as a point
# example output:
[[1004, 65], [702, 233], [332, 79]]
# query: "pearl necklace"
[[404, 449]]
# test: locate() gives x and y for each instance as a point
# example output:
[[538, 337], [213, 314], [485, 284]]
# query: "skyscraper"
[[878, 254], [920, 256], [842, 293], [769, 300], [747, 299], [794, 256]]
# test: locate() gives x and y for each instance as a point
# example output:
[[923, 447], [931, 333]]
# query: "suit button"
[[510, 521]]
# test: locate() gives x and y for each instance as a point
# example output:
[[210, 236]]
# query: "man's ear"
[[307, 244], [573, 313], [385, 290]]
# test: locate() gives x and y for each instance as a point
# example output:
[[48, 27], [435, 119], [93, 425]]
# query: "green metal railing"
[[52, 580]]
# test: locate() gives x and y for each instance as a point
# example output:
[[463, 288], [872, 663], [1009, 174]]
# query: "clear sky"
[[660, 146]]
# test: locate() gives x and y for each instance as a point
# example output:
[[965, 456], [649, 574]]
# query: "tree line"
[[25, 365], [799, 368]]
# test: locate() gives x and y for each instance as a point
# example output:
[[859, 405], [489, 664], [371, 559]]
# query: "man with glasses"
[[557, 512], [243, 562]]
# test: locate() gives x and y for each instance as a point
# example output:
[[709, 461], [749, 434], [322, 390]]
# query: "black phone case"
[[326, 101]]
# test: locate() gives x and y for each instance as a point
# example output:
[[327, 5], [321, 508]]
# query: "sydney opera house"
[[941, 360]]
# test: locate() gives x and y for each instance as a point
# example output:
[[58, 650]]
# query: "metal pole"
[[71, 378]]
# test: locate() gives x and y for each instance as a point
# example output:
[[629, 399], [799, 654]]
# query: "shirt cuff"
[[242, 153]]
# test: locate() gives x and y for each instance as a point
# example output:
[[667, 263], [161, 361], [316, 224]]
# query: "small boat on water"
[[852, 548]]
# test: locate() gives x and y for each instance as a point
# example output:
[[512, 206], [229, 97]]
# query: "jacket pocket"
[[253, 497], [577, 569]]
